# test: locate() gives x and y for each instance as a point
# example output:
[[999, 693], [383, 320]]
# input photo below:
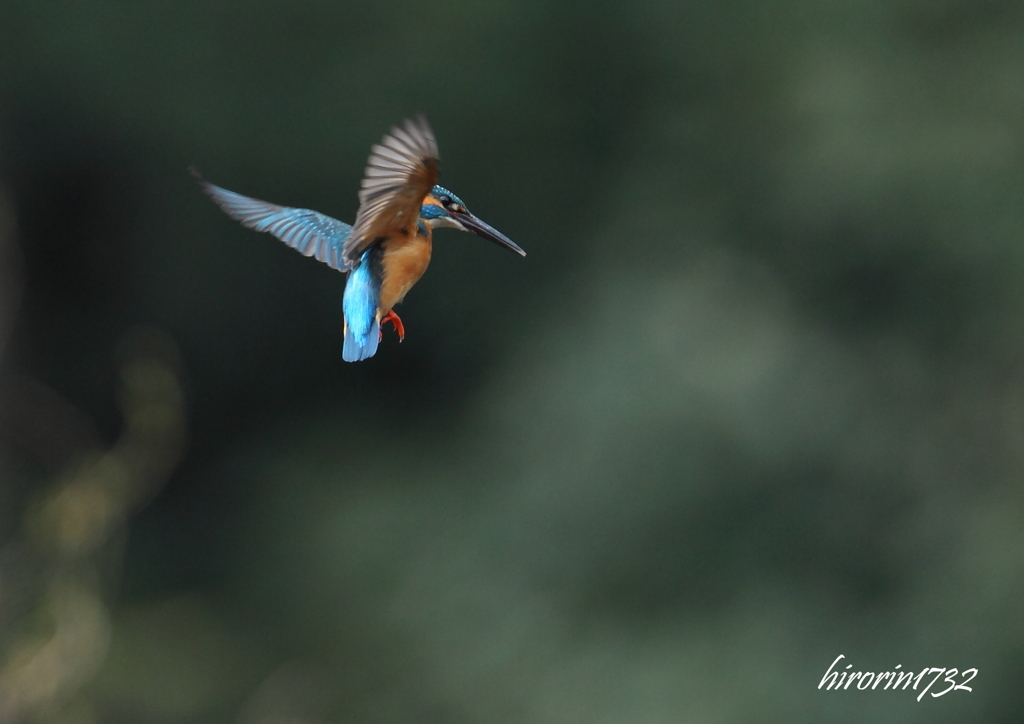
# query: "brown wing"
[[401, 170]]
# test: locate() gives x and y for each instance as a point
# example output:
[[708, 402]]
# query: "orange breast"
[[404, 261]]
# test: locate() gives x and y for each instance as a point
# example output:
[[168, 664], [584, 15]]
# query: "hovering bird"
[[388, 248]]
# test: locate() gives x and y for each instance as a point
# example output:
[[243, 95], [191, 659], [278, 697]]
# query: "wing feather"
[[308, 232], [400, 172]]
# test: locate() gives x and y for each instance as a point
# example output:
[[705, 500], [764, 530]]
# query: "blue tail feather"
[[360, 347], [362, 293]]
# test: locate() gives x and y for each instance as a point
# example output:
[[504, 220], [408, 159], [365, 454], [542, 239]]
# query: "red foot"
[[395, 321]]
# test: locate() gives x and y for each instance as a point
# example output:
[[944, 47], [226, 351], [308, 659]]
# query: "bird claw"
[[395, 322]]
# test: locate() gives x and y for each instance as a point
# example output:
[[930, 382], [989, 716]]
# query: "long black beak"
[[487, 231]]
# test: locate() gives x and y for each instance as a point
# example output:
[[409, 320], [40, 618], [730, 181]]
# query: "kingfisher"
[[387, 249]]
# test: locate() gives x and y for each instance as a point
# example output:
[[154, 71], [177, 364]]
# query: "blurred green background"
[[755, 399]]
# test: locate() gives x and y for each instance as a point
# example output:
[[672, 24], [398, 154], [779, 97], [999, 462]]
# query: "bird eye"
[[446, 201]]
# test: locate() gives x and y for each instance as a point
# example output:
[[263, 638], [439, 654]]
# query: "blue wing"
[[309, 232]]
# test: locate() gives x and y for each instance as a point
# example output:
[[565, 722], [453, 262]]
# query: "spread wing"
[[401, 171], [307, 231]]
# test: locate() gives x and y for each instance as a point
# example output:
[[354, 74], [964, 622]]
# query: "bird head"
[[443, 208]]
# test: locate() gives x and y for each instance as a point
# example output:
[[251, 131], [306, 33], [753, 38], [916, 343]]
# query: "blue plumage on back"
[[362, 292], [318, 235]]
